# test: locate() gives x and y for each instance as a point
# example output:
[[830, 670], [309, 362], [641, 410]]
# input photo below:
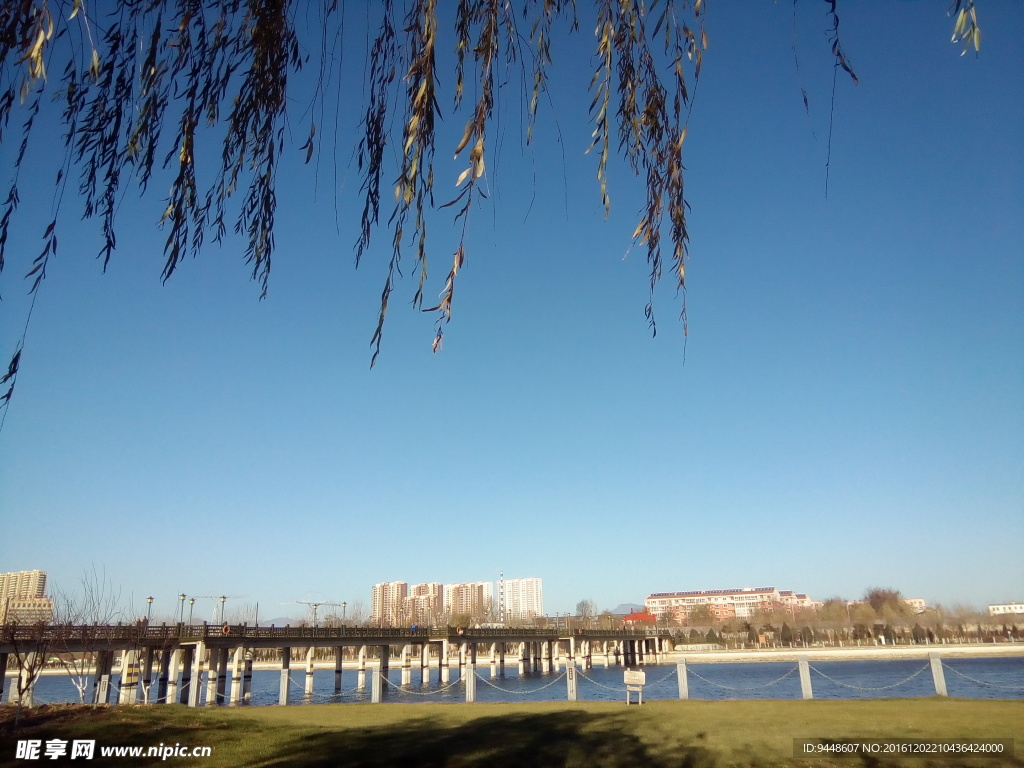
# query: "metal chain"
[[982, 682], [870, 688], [521, 693], [404, 689], [666, 677], [741, 688], [622, 689], [602, 685]]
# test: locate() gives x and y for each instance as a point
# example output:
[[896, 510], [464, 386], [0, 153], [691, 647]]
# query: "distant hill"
[[625, 608]]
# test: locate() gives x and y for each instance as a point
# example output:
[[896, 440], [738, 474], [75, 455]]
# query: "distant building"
[[917, 604], [424, 603], [639, 619], [724, 604], [23, 598], [524, 599], [475, 598], [388, 603], [1004, 609]]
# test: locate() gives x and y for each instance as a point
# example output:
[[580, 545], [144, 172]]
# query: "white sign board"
[[635, 677]]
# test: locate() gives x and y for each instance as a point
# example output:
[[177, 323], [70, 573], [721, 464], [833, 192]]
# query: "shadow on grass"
[[563, 739]]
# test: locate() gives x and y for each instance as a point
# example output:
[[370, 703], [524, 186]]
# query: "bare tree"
[[586, 610], [97, 603]]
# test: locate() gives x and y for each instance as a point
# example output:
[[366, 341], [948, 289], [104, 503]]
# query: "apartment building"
[[424, 603], [725, 604], [387, 606], [1006, 609], [475, 598], [524, 599], [23, 597]]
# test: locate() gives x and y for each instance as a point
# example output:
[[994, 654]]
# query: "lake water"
[[982, 678]]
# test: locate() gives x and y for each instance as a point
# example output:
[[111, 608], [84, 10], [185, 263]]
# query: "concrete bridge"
[[169, 663]]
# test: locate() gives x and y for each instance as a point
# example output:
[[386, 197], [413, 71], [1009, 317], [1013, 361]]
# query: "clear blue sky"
[[850, 411]]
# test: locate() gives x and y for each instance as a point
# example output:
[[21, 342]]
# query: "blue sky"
[[849, 411]]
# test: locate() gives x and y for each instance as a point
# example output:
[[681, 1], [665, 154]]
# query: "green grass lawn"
[[676, 734]]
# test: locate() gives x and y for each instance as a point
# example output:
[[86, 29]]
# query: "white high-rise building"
[[524, 599], [388, 603]]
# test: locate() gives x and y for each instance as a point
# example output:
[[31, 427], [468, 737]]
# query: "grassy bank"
[[674, 734]]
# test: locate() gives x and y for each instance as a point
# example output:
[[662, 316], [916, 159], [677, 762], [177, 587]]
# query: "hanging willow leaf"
[[148, 86]]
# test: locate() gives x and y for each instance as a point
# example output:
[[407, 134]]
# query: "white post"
[[377, 686], [684, 683], [286, 663], [937, 674], [805, 677], [470, 678], [309, 671]]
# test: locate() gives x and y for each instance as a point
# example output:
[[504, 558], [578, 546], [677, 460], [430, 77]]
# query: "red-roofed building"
[[633, 619]]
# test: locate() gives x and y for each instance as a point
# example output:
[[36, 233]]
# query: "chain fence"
[[529, 692], [840, 683], [776, 681], [983, 682]]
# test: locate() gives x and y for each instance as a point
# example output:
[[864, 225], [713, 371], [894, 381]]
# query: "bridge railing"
[[164, 634]]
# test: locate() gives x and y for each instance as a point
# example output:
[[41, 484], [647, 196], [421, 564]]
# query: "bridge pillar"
[[247, 679], [174, 670], [339, 664], [546, 652], [129, 688], [129, 677], [211, 677], [188, 659], [286, 663], [222, 675], [494, 660], [101, 682], [406, 665], [424, 663], [310, 653], [385, 661], [442, 662], [237, 670], [361, 674], [195, 690], [163, 675], [501, 659]]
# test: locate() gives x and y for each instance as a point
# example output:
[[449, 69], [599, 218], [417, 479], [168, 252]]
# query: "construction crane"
[[313, 606], [222, 599]]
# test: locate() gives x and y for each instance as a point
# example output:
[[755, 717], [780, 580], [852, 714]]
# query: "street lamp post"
[[223, 599], [191, 606], [343, 607], [149, 608], [181, 606], [315, 606]]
